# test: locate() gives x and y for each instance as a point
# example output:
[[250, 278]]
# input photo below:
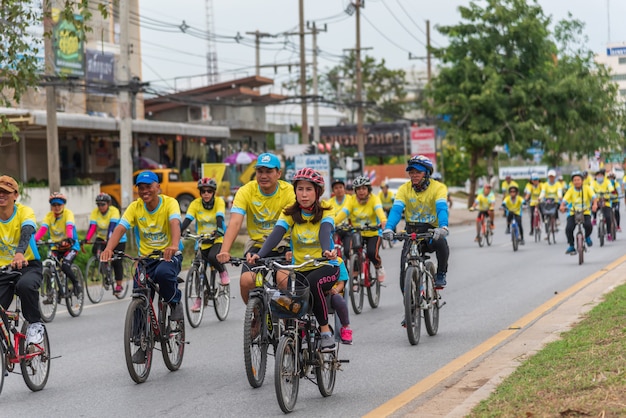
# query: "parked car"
[[394, 184]]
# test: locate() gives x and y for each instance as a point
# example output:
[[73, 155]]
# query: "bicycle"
[[299, 351], [515, 234], [56, 286], [536, 226], [419, 290], [206, 289], [99, 277], [483, 232], [600, 221], [143, 327], [261, 326], [581, 245], [549, 219], [34, 359], [362, 272]]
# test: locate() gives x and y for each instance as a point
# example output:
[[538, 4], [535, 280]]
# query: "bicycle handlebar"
[[314, 261], [414, 236]]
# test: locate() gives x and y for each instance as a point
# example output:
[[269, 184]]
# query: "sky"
[[391, 28]]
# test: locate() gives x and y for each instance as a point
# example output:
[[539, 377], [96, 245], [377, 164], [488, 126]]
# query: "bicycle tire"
[[373, 290], [3, 359], [537, 231], [36, 370], [94, 280], [74, 302], [128, 272], [479, 234], [286, 374], [254, 344], [514, 237], [412, 302], [194, 289], [489, 236], [48, 293], [580, 247], [431, 298], [601, 230], [356, 286], [138, 336], [326, 372], [221, 297], [172, 339]]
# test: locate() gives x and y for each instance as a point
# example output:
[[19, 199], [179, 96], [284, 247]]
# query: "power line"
[[401, 24], [383, 35]]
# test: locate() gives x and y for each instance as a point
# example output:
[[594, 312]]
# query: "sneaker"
[[139, 356], [380, 273], [328, 342], [619, 229], [571, 250], [608, 237], [118, 289], [177, 312], [34, 333], [440, 280], [403, 323], [531, 232], [224, 278], [492, 226], [476, 239], [521, 242], [78, 289], [593, 222], [196, 305], [589, 242], [346, 335]]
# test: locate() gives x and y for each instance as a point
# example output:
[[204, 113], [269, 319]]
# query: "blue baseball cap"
[[268, 160], [146, 177], [57, 201]]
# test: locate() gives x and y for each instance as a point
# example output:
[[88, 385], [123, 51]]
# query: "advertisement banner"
[[319, 162], [523, 172], [423, 142], [381, 139], [100, 70], [68, 46]]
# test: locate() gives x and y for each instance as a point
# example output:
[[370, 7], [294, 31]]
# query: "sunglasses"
[[56, 204], [203, 191]]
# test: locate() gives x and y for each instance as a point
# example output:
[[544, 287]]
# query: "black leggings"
[[571, 225], [439, 247], [118, 265], [373, 245], [210, 256], [66, 260], [321, 280]]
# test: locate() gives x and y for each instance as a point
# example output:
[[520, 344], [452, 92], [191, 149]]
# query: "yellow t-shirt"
[[371, 213], [103, 220], [484, 203], [152, 229], [305, 238], [604, 190], [513, 206], [534, 192], [551, 191], [579, 199], [262, 211], [386, 200], [335, 205], [206, 220], [57, 227], [10, 232], [421, 207]]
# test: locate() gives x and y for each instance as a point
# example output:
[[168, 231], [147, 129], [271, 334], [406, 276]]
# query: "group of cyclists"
[[582, 194]]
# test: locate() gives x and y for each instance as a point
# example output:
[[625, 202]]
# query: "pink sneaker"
[[346, 335], [224, 278], [380, 273], [196, 305], [118, 289]]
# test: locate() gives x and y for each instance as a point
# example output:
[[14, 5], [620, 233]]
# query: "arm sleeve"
[[92, 230], [185, 224], [326, 230], [41, 232], [69, 230], [220, 224], [395, 215], [272, 241], [25, 234], [112, 226]]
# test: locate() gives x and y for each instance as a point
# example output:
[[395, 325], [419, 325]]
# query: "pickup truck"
[[171, 185]]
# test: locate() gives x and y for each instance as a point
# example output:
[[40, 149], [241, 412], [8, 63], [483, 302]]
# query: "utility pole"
[[258, 35], [316, 116], [52, 133], [428, 54], [305, 122], [360, 135], [124, 108]]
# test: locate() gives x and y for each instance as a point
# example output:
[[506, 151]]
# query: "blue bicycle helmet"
[[420, 163]]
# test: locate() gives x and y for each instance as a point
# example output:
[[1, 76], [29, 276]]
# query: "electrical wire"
[[382, 34], [401, 24]]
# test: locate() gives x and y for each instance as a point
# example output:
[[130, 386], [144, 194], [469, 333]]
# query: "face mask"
[[600, 180]]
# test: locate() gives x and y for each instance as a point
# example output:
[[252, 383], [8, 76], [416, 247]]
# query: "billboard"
[[68, 46], [423, 142], [381, 139], [523, 172], [100, 70]]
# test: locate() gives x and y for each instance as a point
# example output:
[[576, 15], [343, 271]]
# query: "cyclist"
[[531, 195], [102, 222], [338, 201], [386, 198], [311, 232], [562, 183], [18, 249], [578, 197], [261, 201], [60, 222], [208, 211], [551, 194], [485, 203], [603, 189], [506, 184], [365, 208], [513, 206], [155, 221], [424, 205], [615, 198]]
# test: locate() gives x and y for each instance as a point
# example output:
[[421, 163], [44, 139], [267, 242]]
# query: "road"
[[488, 289]]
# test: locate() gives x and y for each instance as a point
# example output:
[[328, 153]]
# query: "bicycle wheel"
[[356, 288], [373, 290], [326, 372], [514, 237], [601, 230], [75, 301], [254, 346], [431, 299], [221, 297], [489, 236], [94, 280], [194, 291], [537, 228], [35, 364], [3, 366], [172, 339], [412, 303], [286, 374], [580, 247], [48, 295], [481, 237], [138, 340]]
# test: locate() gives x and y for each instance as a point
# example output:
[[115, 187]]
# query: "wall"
[[80, 199]]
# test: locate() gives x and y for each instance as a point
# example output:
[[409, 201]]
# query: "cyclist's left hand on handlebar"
[[388, 234], [330, 254], [440, 233], [19, 261], [251, 258], [106, 255]]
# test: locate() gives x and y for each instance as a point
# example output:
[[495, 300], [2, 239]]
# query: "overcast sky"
[[392, 28]]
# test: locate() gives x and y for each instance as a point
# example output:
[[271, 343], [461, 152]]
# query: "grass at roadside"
[[582, 374], [189, 253]]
